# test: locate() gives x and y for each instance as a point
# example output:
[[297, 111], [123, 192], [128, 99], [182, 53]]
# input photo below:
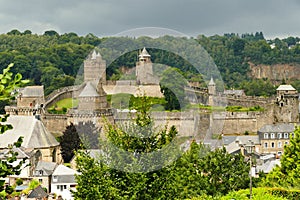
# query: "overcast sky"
[[275, 18]]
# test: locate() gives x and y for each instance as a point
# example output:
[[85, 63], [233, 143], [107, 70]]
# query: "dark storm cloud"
[[192, 17]]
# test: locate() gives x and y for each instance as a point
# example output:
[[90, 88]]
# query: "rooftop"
[[286, 87], [32, 91], [89, 91], [277, 128], [33, 130]]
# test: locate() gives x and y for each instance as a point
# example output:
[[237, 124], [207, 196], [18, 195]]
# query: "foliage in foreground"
[[9, 166], [127, 167]]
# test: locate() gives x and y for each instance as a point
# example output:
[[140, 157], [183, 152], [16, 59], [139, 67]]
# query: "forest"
[[54, 60]]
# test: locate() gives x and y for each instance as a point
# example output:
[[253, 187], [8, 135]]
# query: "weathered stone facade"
[[95, 68]]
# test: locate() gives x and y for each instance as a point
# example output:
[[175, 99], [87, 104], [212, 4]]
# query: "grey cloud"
[[192, 17]]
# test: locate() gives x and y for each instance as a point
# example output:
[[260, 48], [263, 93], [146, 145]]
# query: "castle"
[[94, 107]]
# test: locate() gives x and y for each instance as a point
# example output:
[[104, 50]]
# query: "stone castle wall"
[[63, 93], [241, 122]]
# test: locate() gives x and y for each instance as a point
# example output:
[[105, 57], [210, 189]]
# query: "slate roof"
[[47, 167], [286, 87], [233, 148], [32, 91], [267, 166], [64, 175], [38, 192], [21, 153], [89, 91], [211, 82], [144, 53], [243, 139], [277, 128], [34, 132]]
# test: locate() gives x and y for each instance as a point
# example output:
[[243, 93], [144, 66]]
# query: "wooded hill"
[[54, 60]]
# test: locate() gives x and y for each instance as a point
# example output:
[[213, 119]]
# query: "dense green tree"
[[172, 86], [69, 142], [120, 170], [82, 135], [89, 134], [51, 33]]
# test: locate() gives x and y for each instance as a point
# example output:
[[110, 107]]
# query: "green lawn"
[[63, 105]]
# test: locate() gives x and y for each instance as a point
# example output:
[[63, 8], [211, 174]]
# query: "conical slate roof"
[[89, 91], [144, 53], [211, 82], [33, 131]]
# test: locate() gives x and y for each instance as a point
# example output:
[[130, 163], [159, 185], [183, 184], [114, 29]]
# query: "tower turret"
[[95, 68]]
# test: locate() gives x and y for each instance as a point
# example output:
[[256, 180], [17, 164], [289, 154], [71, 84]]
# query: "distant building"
[[237, 144], [35, 137], [212, 91], [286, 109], [30, 101], [144, 70], [234, 93], [273, 137], [63, 182], [43, 172]]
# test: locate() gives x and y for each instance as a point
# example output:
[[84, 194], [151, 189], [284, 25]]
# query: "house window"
[[266, 135], [57, 187], [41, 172], [61, 188], [286, 135], [272, 135], [54, 178], [286, 143], [273, 144], [279, 153], [292, 134], [40, 180], [266, 145], [279, 135], [279, 144], [65, 187]]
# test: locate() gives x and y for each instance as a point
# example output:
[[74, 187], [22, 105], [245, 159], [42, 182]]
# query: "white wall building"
[[63, 181]]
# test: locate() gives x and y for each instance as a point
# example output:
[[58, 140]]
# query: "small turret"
[[211, 87], [144, 56]]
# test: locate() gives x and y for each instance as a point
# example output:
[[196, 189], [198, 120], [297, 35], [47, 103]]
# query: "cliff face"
[[276, 72]]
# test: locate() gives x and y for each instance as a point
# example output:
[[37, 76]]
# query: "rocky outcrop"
[[276, 72]]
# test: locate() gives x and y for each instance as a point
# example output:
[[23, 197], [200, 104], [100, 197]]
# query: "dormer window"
[[272, 135], [54, 178], [286, 136], [266, 136], [279, 135]]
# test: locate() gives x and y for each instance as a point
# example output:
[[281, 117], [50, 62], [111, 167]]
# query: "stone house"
[[43, 173], [273, 137], [35, 137]]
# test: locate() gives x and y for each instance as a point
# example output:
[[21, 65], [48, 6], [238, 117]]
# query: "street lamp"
[[249, 147]]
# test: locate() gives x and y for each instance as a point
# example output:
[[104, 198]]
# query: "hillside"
[[54, 60]]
